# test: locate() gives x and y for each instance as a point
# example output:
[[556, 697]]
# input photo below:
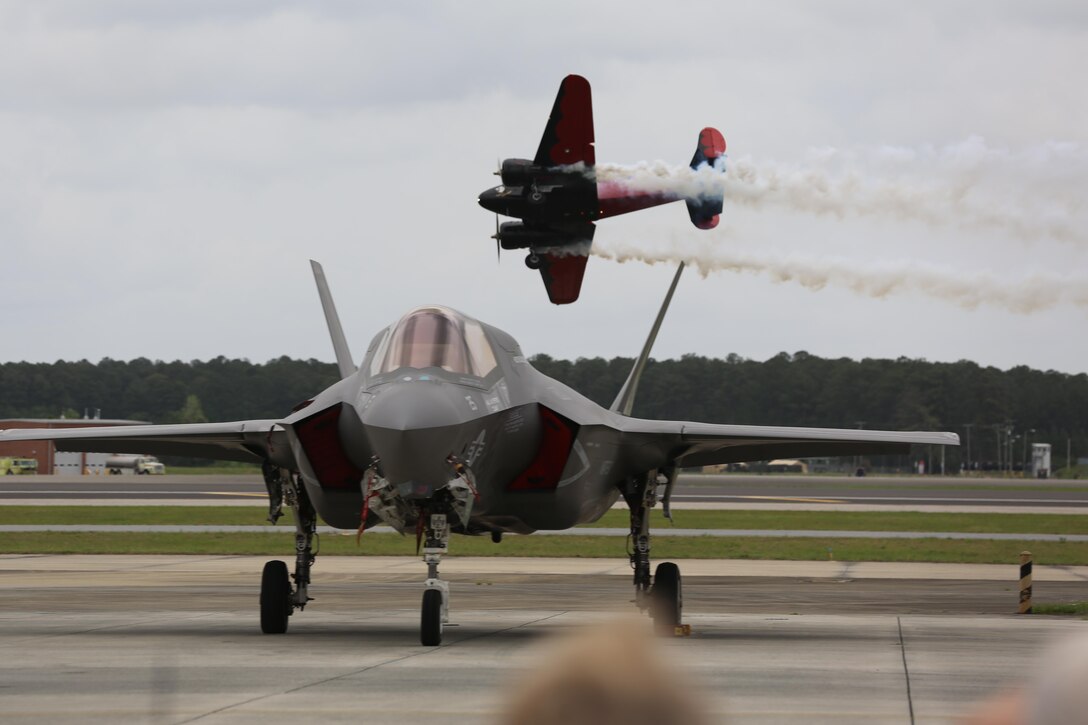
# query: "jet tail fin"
[[705, 211], [344, 360], [625, 401]]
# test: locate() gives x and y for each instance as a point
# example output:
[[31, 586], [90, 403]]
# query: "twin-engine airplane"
[[446, 427], [558, 195]]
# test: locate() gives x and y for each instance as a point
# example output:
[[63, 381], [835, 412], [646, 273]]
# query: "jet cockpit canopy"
[[435, 337]]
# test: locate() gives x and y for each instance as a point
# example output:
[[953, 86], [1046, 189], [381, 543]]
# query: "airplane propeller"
[[498, 244]]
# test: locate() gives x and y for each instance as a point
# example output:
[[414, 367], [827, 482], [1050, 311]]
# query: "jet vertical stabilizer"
[[344, 360], [625, 401]]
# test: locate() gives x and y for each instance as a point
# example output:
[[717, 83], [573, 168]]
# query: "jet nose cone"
[[414, 405], [413, 428]]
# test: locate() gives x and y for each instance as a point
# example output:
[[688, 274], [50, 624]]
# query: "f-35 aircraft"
[[446, 427], [558, 195]]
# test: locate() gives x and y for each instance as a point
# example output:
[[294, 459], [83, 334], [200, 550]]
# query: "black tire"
[[668, 599], [275, 598], [533, 261], [430, 619]]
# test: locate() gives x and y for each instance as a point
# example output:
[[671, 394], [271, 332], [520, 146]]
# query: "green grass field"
[[685, 519], [383, 544], [221, 469], [1075, 609], [277, 541]]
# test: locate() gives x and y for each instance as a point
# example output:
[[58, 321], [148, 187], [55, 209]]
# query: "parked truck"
[[18, 466], [1040, 460], [139, 464]]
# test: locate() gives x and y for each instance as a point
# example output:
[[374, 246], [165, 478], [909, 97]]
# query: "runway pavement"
[[175, 639]]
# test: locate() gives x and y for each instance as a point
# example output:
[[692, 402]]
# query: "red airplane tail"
[[705, 211]]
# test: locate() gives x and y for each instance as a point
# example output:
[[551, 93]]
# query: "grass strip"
[[819, 487], [239, 469], [775, 520], [376, 544], [1076, 609], [861, 521]]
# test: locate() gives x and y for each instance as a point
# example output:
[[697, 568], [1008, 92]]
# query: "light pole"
[[968, 426], [857, 459], [1027, 434]]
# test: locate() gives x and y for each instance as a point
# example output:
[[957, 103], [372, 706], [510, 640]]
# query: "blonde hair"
[[604, 676]]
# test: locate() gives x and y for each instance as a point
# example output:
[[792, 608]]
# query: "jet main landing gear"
[[662, 594], [278, 598]]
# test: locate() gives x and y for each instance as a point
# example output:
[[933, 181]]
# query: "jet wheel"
[[533, 261], [430, 620], [667, 597], [275, 598]]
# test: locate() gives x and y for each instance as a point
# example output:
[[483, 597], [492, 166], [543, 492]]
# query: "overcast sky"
[[917, 175]]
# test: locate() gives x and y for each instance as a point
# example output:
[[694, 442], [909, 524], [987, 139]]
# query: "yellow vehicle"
[[18, 466]]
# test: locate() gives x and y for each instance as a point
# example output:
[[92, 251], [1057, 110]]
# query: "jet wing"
[[702, 444], [568, 137], [246, 440]]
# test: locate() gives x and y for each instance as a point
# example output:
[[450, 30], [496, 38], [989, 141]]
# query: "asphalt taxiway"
[[175, 638]]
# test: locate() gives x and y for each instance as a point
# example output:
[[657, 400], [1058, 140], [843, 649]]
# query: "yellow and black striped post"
[[1025, 582]]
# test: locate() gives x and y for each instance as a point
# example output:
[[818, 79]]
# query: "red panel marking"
[[562, 274], [711, 142], [574, 128], [320, 438], [556, 442], [614, 198], [708, 223]]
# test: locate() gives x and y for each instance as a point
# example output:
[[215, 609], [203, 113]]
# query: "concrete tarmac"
[[175, 639]]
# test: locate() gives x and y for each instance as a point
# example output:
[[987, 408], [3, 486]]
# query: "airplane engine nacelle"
[[519, 172], [515, 235]]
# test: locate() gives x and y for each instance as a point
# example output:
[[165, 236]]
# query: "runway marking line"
[[796, 499]]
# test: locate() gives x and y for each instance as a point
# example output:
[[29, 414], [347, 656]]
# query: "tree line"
[[1003, 411]]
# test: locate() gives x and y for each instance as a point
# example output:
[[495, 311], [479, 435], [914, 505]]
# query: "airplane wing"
[[248, 440], [562, 268], [703, 444], [568, 137]]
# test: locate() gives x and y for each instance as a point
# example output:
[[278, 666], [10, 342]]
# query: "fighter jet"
[[445, 427], [558, 195]]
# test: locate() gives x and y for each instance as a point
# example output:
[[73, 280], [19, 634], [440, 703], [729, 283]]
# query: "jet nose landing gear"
[[435, 611]]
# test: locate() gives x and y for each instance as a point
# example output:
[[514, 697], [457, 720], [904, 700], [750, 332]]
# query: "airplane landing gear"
[[435, 609], [278, 598], [275, 598], [661, 594], [533, 261], [667, 606]]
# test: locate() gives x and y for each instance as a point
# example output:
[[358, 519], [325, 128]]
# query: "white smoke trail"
[[1035, 193], [1033, 294], [657, 177]]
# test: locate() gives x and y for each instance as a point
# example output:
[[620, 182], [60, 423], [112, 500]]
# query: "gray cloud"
[[169, 167]]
